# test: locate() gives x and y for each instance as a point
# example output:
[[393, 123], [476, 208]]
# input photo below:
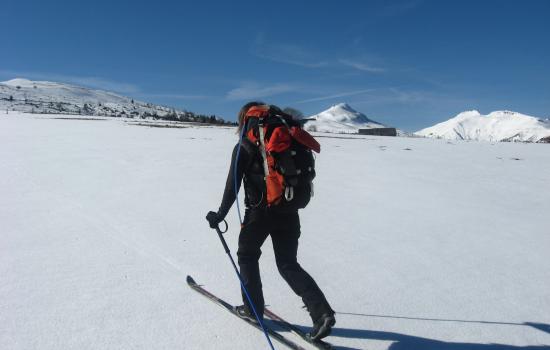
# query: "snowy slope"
[[340, 118], [496, 126], [421, 245], [51, 97]]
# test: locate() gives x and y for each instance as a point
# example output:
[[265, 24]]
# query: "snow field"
[[442, 246]]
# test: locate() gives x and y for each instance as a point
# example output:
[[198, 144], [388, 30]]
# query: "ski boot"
[[322, 327]]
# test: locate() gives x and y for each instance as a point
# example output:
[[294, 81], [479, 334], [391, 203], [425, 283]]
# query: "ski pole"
[[226, 248]]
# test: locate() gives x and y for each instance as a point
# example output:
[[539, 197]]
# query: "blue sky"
[[407, 63]]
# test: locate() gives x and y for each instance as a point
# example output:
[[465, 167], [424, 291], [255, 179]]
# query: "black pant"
[[284, 228]]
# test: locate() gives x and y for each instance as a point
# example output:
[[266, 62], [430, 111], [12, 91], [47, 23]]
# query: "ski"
[[273, 334], [319, 344]]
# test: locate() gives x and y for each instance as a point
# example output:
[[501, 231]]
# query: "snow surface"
[[417, 243], [496, 126], [340, 119]]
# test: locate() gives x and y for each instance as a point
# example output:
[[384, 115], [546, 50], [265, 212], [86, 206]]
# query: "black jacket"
[[249, 170]]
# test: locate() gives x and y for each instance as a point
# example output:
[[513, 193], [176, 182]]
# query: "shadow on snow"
[[409, 342], [540, 326]]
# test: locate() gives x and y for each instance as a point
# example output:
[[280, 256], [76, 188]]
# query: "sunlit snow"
[[417, 243]]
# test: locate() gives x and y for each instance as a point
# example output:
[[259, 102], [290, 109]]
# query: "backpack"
[[285, 150]]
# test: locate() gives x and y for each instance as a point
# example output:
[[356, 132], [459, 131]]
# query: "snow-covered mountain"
[[495, 126], [59, 98], [340, 118]]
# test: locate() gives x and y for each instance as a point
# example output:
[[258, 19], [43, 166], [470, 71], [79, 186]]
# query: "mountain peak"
[[344, 113], [339, 118], [344, 106]]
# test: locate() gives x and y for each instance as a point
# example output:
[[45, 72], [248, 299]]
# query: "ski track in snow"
[[417, 243]]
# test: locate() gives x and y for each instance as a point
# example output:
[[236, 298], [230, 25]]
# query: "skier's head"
[[242, 113]]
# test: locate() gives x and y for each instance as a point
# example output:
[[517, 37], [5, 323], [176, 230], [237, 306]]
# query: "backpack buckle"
[[289, 193]]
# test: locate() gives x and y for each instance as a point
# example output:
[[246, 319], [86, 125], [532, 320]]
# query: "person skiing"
[[279, 222]]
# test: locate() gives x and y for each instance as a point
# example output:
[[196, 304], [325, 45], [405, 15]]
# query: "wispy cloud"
[[392, 95], [308, 58], [396, 96], [89, 81], [98, 83], [362, 66], [102, 83], [176, 96], [286, 53], [414, 96], [255, 90], [339, 95]]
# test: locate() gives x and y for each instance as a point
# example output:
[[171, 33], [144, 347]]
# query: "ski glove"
[[213, 219]]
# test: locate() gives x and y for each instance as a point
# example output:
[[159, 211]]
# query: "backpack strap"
[[262, 148], [251, 149]]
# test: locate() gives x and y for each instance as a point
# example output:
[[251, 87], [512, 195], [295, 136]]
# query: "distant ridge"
[[506, 126], [60, 98]]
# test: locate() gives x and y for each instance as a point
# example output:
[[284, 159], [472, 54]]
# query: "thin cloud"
[[254, 90], [365, 67], [98, 83], [286, 53], [300, 56], [176, 96], [89, 81], [277, 55], [409, 97], [342, 94], [103, 84]]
